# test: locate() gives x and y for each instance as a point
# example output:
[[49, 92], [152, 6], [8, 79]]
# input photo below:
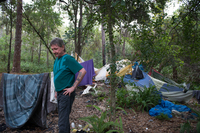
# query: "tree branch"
[[184, 17], [26, 17]]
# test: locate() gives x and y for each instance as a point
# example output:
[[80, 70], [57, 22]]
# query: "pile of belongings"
[[170, 90]]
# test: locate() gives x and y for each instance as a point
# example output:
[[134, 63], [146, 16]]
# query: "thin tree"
[[18, 34], [103, 44], [8, 66]]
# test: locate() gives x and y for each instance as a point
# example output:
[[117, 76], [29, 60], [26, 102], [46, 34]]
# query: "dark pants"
[[64, 108]]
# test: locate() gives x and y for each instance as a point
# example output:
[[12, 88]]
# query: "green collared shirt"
[[64, 71]]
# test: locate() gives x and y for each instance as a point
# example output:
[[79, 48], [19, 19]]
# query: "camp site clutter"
[[38, 90]]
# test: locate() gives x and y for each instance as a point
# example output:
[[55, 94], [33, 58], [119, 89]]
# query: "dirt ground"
[[133, 121]]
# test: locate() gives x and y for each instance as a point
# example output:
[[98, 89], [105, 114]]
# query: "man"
[[65, 68]]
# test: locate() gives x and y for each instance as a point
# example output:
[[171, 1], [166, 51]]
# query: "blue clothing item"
[[166, 107], [64, 71]]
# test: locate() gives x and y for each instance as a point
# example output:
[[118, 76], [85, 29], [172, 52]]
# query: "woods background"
[[105, 31]]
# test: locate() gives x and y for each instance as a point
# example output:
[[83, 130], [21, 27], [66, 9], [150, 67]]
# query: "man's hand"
[[55, 95], [79, 78], [68, 90]]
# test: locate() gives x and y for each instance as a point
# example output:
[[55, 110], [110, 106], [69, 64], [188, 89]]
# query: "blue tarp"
[[166, 107], [147, 81]]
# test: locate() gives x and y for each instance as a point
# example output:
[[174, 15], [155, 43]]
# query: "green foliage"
[[187, 127], [101, 124], [98, 94], [123, 98], [143, 99], [29, 67], [146, 98], [195, 86], [4, 48], [162, 117], [3, 66]]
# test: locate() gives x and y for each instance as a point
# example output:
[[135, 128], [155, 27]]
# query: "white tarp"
[[52, 96], [102, 73]]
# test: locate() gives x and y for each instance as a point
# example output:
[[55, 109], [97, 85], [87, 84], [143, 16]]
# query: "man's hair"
[[59, 42]]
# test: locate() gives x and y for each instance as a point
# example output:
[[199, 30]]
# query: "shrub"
[[123, 98], [162, 117], [101, 124], [187, 127]]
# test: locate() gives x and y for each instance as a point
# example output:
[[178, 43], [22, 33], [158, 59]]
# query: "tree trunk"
[[48, 46], [79, 47], [39, 52], [47, 57], [7, 33], [113, 60], [75, 28], [18, 34], [175, 74], [124, 43], [32, 50], [9, 54], [103, 44]]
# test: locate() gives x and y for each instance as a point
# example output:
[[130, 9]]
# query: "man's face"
[[57, 51]]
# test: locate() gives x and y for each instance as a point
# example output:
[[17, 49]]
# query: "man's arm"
[[79, 78]]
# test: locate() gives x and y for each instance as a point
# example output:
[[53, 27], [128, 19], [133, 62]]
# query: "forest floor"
[[133, 121]]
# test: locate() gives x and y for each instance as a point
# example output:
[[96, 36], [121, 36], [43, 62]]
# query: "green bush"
[[187, 127], [124, 99], [3, 66], [146, 98], [162, 117], [30, 67], [102, 124]]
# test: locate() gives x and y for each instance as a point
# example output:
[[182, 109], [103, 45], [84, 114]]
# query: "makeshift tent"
[[157, 75], [26, 98], [169, 91]]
